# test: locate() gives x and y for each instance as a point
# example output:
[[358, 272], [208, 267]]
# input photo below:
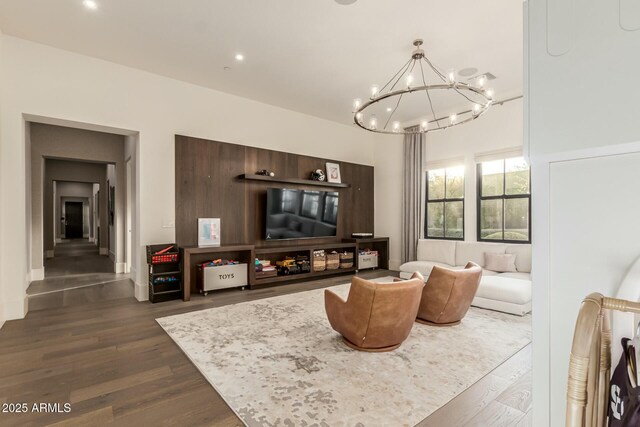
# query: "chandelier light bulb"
[[373, 123], [396, 126], [410, 80], [453, 118], [357, 103], [451, 77], [476, 108], [424, 125], [359, 117], [489, 92], [482, 80], [374, 91]]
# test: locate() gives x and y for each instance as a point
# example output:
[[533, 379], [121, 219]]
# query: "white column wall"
[[579, 105]]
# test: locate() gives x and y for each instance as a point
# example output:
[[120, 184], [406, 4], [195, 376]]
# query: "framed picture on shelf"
[[333, 172], [208, 231]]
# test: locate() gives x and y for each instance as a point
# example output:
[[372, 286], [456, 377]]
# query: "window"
[[504, 202], [444, 217]]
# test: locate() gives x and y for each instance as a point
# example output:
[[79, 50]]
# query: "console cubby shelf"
[[298, 181], [307, 250], [268, 281]]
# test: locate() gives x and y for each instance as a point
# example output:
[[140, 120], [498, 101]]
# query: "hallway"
[[76, 264]]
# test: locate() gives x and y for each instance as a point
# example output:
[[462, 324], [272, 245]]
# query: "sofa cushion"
[[501, 263], [424, 267], [489, 272], [474, 252], [523, 256], [437, 251], [505, 289], [518, 275]]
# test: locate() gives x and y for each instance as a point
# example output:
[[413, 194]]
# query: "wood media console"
[[191, 256]]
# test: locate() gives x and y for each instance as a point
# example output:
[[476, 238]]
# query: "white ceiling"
[[312, 56]]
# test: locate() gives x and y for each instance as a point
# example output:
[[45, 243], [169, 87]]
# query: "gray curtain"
[[414, 155]]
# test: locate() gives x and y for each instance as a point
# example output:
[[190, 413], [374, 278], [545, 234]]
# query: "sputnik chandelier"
[[380, 113]]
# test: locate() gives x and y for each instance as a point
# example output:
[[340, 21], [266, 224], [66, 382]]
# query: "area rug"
[[277, 362]]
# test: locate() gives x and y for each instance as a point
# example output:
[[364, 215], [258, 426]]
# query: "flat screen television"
[[301, 214]]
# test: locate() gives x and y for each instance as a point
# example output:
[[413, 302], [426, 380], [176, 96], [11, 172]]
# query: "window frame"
[[480, 198], [444, 201]]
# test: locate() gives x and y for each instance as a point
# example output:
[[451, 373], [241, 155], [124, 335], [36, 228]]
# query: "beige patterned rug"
[[277, 362]]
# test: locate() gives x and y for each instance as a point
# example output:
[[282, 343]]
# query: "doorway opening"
[[82, 202]]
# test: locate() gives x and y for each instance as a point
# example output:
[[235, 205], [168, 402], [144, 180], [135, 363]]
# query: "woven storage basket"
[[319, 263], [346, 260], [333, 261]]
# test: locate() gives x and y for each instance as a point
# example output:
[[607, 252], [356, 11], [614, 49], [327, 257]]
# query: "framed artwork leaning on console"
[[208, 231]]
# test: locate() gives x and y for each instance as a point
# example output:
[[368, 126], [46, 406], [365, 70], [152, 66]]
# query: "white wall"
[[500, 128], [26, 249], [131, 149], [49, 82], [580, 109]]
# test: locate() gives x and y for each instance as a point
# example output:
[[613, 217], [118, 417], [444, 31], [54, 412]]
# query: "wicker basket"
[[319, 263], [346, 260], [333, 261]]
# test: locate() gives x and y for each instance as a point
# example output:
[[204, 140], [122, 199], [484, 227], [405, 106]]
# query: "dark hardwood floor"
[[100, 350]]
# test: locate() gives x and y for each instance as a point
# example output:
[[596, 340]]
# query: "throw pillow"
[[500, 263]]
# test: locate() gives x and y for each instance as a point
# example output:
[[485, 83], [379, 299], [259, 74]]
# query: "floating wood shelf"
[[253, 177]]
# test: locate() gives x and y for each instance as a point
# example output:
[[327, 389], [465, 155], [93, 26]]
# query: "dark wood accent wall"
[[207, 186]]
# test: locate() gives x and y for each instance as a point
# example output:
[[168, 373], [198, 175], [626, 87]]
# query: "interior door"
[[73, 220]]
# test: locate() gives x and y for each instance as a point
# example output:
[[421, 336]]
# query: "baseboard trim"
[[121, 267], [141, 291], [49, 254], [85, 236], [104, 251], [2, 320], [58, 240], [92, 240], [36, 274], [16, 309]]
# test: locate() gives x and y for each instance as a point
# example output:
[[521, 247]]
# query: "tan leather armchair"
[[448, 294], [376, 316]]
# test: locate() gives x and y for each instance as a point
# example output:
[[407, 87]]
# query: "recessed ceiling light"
[[346, 2], [239, 57], [90, 4], [389, 109], [467, 72]]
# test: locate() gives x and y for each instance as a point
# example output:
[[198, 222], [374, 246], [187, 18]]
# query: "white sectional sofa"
[[507, 292]]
